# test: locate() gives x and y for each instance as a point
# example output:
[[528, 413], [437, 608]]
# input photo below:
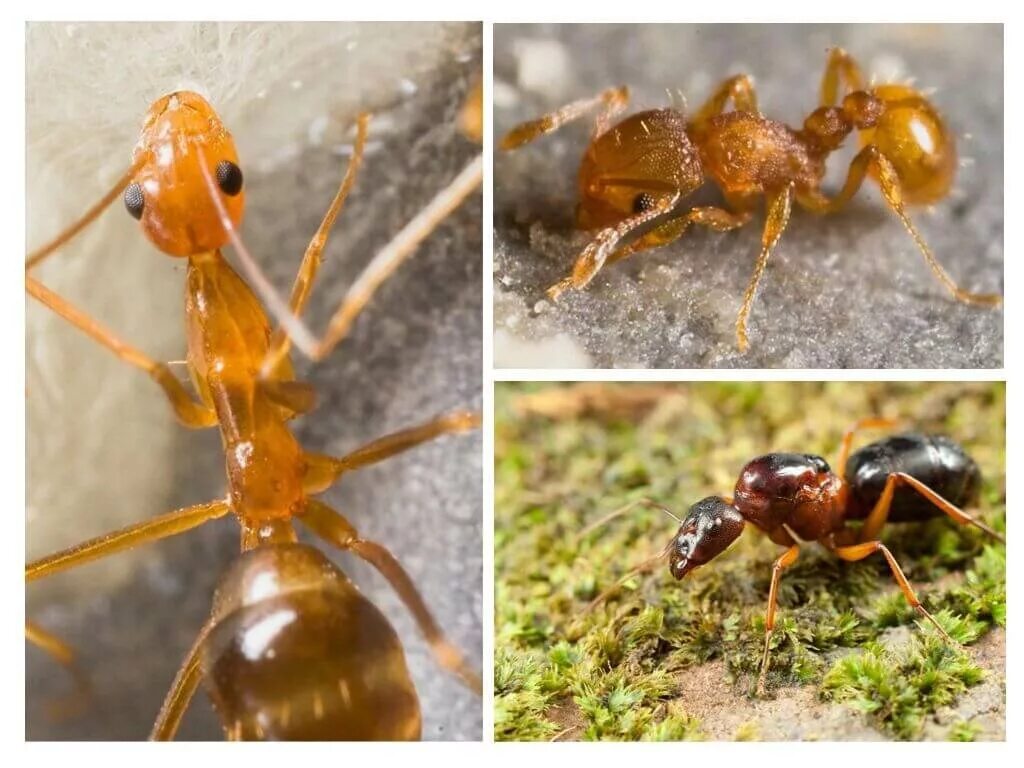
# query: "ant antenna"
[[296, 330], [87, 218], [623, 510]]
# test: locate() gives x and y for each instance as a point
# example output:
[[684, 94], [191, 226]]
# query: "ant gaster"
[[795, 498], [291, 650], [641, 169]]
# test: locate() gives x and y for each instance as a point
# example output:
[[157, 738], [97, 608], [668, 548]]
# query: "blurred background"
[[102, 444], [672, 660], [844, 291]]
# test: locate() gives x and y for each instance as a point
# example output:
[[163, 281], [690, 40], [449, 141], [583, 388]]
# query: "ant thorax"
[[795, 490]]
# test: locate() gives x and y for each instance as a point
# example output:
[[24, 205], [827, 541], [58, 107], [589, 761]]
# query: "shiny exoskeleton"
[[637, 172], [291, 650], [795, 498]]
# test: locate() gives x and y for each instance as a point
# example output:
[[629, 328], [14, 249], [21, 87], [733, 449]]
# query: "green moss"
[[898, 689], [618, 667]]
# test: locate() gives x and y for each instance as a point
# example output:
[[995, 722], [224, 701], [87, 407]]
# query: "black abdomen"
[[936, 461]]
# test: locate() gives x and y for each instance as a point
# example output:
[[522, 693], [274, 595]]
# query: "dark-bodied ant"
[[642, 168], [291, 650], [796, 498]]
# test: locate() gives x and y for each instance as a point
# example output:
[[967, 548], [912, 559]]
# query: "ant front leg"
[[876, 519], [857, 552], [785, 560], [280, 342], [612, 100], [598, 250], [779, 205], [333, 528], [872, 159], [840, 66], [189, 412], [718, 219]]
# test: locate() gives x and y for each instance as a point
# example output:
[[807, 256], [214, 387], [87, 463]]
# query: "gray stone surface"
[[849, 290], [415, 353]]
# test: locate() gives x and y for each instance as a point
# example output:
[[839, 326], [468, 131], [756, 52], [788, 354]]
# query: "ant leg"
[[847, 442], [189, 412], [711, 217], [323, 471], [871, 158], [860, 551], [875, 520], [61, 652], [186, 681], [840, 65], [599, 249], [335, 529], [779, 205], [87, 218], [784, 561], [50, 644], [613, 100], [280, 342], [380, 268], [739, 88], [158, 528]]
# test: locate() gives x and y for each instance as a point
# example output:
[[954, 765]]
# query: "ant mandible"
[[796, 498], [291, 648], [643, 167]]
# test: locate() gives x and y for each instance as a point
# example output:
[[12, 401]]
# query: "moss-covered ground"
[[662, 659]]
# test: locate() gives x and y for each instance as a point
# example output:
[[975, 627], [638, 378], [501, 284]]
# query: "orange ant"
[[291, 650], [795, 498], [642, 168]]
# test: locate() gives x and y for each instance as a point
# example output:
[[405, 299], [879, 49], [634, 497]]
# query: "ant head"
[[184, 157], [711, 525], [915, 139], [771, 487], [635, 166]]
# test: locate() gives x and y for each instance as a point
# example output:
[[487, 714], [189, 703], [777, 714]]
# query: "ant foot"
[[559, 288]]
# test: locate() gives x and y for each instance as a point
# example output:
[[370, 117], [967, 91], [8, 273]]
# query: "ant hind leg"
[[857, 552], [880, 513], [145, 532], [186, 681], [840, 66], [333, 528], [871, 158], [613, 101], [847, 441]]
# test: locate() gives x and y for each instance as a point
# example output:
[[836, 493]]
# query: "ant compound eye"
[[134, 200], [643, 203], [229, 177]]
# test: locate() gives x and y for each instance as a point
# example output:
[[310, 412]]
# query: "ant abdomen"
[[636, 165], [298, 653], [936, 461], [914, 137]]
